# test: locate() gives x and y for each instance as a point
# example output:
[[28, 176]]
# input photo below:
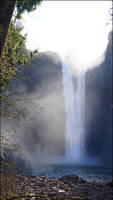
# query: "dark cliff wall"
[[43, 130], [98, 109]]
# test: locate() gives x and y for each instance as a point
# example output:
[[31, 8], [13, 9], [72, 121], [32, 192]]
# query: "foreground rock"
[[68, 187]]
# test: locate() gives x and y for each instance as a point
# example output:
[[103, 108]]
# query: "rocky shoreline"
[[69, 187]]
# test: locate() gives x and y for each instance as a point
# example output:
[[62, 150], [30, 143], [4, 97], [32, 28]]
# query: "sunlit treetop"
[[26, 5]]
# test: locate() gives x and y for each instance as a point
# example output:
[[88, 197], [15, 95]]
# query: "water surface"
[[89, 173]]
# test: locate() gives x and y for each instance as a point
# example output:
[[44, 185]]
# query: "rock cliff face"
[[98, 109], [43, 130]]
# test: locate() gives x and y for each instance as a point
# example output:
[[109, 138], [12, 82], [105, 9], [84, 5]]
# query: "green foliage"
[[14, 54], [14, 51], [26, 5]]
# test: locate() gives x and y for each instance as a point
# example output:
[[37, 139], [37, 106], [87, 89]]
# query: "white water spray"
[[74, 108]]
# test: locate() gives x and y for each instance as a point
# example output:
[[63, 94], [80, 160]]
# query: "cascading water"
[[74, 108]]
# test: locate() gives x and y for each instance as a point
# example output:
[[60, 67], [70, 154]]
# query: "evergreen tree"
[[6, 12], [14, 54]]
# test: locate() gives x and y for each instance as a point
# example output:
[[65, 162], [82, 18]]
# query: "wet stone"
[[68, 187]]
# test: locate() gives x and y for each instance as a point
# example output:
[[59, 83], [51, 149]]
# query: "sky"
[[76, 29]]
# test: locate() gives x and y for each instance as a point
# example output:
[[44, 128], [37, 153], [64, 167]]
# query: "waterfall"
[[74, 109]]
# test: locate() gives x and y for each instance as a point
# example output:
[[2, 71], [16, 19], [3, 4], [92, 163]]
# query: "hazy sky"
[[79, 27]]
